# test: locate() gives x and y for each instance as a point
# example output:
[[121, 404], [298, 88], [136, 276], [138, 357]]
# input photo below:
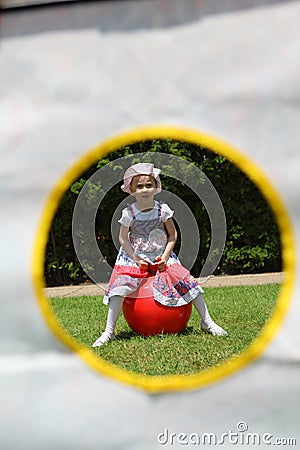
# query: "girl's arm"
[[172, 238], [126, 244]]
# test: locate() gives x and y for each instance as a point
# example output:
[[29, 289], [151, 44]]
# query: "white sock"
[[115, 306], [201, 307]]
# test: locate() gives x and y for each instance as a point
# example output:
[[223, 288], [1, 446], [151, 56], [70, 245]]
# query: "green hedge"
[[253, 239]]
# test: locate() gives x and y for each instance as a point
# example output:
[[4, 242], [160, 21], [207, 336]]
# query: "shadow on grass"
[[127, 335], [187, 331]]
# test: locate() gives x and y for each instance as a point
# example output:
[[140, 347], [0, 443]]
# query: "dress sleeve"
[[166, 212], [126, 218]]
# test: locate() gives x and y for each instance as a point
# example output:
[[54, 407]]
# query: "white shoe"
[[213, 329], [103, 339]]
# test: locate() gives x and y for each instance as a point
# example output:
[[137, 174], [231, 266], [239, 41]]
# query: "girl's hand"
[[161, 263], [143, 265]]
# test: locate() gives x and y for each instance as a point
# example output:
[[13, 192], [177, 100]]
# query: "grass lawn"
[[241, 310]]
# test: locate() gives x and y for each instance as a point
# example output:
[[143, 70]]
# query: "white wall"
[[232, 74]]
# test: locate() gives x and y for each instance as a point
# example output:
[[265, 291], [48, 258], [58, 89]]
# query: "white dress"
[[173, 287]]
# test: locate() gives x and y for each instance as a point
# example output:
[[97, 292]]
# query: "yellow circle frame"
[[156, 384]]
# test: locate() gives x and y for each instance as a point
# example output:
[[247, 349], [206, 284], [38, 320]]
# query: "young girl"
[[147, 237]]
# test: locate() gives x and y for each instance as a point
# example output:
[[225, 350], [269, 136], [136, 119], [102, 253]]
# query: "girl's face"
[[143, 187]]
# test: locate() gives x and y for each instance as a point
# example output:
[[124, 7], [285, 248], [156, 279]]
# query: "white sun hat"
[[140, 169]]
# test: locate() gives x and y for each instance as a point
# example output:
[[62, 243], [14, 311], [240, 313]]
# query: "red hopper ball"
[[148, 317]]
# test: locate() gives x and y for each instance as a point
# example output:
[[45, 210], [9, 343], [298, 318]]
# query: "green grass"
[[241, 310]]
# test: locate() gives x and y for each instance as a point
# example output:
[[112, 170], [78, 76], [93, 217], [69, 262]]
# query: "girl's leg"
[[207, 324], [115, 306]]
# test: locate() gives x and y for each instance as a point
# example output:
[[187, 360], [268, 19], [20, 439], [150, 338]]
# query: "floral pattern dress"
[[174, 286]]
